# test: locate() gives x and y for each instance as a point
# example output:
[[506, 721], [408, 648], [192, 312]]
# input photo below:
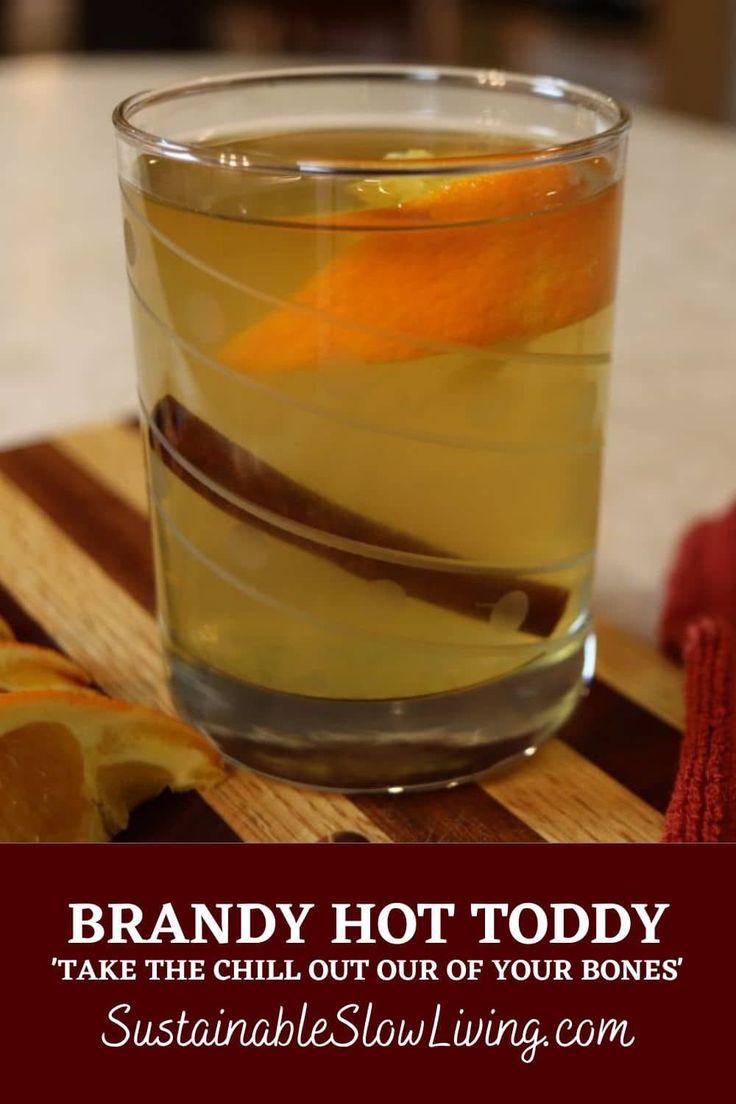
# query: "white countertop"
[[65, 347]]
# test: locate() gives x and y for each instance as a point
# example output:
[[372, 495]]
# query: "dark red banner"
[[353, 970]]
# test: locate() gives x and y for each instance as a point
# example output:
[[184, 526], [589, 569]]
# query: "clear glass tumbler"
[[372, 309]]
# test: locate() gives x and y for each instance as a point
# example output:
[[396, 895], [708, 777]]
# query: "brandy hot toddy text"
[[372, 311]]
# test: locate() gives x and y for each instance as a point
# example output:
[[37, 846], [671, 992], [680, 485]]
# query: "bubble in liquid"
[[250, 547], [509, 613], [387, 588]]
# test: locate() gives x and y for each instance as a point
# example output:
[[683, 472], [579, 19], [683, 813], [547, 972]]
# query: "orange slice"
[[73, 764], [28, 667], [486, 270], [6, 633]]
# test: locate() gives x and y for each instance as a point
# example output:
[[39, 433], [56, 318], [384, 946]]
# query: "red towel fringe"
[[703, 804]]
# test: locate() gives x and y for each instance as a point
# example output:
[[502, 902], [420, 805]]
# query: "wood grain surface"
[[75, 572]]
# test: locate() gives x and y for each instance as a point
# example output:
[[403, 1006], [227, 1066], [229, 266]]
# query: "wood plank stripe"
[[633, 746], [641, 673], [25, 627], [267, 811], [98, 624], [177, 818], [87, 516], [574, 801], [93, 520], [92, 619], [562, 795], [468, 814], [112, 455]]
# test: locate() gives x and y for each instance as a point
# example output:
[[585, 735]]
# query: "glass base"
[[386, 746]]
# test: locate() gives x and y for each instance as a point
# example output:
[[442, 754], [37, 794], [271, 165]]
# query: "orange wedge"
[[73, 764], [28, 667], [479, 271], [6, 633]]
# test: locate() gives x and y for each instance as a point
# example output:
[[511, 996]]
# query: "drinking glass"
[[372, 311]]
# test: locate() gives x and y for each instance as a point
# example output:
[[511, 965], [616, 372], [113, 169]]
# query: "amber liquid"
[[350, 531]]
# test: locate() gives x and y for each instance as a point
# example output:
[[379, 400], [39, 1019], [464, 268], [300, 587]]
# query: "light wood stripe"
[[90, 617], [99, 625], [637, 670], [573, 801], [262, 810], [562, 796], [113, 455]]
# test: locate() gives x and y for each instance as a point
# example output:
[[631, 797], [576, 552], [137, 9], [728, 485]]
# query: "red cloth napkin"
[[698, 626], [702, 581]]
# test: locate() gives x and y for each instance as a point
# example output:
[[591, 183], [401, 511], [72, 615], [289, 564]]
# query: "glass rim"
[[492, 79]]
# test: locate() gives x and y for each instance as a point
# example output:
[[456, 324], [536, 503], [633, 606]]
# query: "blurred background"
[[677, 54]]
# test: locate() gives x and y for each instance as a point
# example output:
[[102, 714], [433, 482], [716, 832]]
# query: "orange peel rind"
[[465, 267], [29, 667], [73, 764]]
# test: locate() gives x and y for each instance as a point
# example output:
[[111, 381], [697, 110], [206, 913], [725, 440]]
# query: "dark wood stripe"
[[177, 818], [465, 815], [93, 517], [26, 629], [98, 520], [21, 622], [632, 745]]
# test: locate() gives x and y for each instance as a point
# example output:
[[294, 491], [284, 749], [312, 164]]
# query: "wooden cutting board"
[[75, 572]]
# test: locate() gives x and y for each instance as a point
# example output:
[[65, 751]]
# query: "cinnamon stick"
[[249, 478]]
